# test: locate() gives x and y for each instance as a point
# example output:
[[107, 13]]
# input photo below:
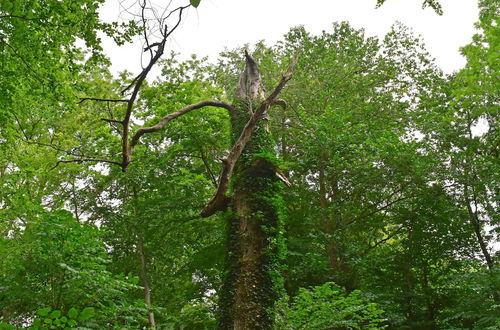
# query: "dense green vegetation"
[[364, 196]]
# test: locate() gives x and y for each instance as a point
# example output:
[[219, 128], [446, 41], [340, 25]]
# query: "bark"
[[255, 244]]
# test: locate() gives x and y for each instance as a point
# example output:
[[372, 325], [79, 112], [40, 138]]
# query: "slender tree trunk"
[[408, 278], [329, 228], [143, 262], [408, 291], [332, 225], [255, 244], [474, 221], [431, 317], [145, 282], [473, 217]]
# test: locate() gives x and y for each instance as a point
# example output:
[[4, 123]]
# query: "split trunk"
[[255, 246]]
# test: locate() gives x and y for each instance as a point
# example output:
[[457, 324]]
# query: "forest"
[[326, 181]]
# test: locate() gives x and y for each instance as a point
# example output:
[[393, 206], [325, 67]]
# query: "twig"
[[151, 46], [383, 240], [83, 160], [112, 120], [207, 166], [359, 217], [37, 76], [83, 99], [131, 84]]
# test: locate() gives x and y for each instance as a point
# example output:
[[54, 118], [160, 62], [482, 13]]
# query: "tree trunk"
[[408, 294], [476, 225], [145, 282], [255, 244], [473, 213], [143, 261], [332, 228], [427, 291], [474, 221]]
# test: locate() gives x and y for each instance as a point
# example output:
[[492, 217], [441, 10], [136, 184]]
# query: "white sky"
[[217, 24]]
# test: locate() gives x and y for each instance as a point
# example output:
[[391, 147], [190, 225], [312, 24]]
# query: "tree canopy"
[[331, 181]]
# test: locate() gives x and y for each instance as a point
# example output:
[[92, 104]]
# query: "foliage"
[[393, 165], [434, 4], [329, 307], [55, 261], [54, 319]]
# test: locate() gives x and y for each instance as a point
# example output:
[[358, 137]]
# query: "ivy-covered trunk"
[[255, 245]]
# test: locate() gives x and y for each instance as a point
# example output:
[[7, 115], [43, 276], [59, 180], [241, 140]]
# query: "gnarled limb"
[[219, 200]]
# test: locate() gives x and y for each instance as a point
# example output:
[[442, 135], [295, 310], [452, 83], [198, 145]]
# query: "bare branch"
[[112, 120], [83, 99], [126, 149], [148, 47], [212, 103], [132, 83], [219, 200], [207, 166], [69, 152], [382, 241], [143, 18], [51, 146], [84, 160], [359, 217]]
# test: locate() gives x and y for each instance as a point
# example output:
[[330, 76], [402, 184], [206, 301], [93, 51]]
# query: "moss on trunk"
[[255, 243]]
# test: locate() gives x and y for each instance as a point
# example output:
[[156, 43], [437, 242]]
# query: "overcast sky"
[[217, 24]]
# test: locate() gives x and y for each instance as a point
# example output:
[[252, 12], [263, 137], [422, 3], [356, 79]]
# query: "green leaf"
[[5, 326], [44, 311], [195, 3], [73, 313], [86, 313], [55, 314]]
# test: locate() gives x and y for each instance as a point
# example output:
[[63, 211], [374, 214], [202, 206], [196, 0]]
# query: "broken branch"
[[219, 200]]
